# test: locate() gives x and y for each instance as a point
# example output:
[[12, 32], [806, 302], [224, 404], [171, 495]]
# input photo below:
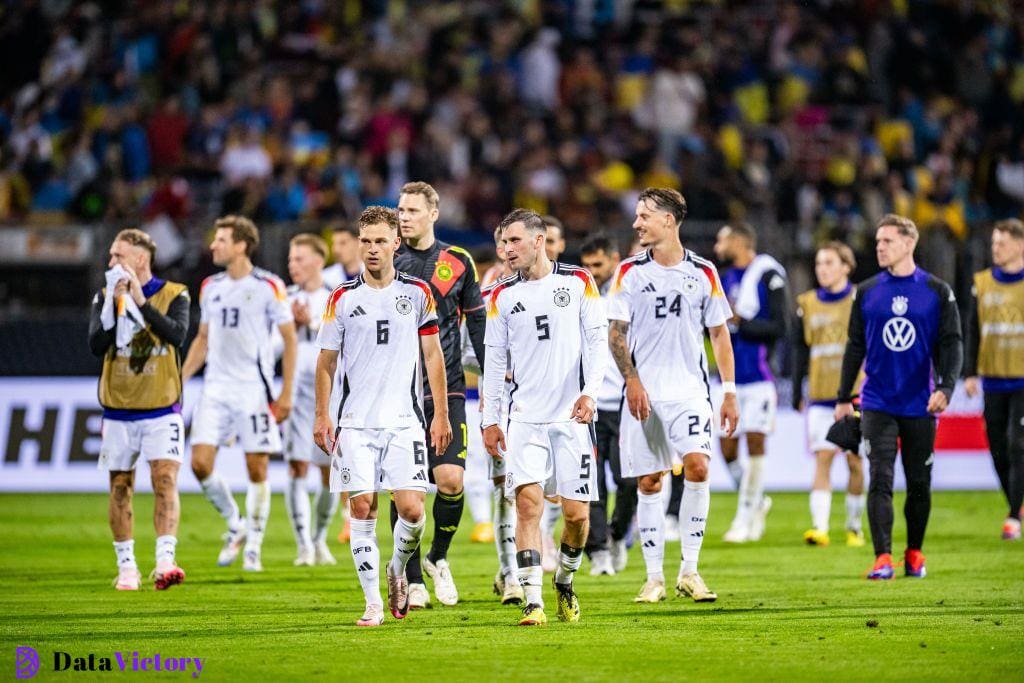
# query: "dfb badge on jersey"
[[403, 304], [562, 297]]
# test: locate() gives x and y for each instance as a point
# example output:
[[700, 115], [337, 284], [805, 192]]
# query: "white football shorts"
[[673, 429], [155, 438], [366, 460], [242, 414], [557, 455]]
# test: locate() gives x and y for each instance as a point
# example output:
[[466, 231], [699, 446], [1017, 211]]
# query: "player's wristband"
[[728, 387]]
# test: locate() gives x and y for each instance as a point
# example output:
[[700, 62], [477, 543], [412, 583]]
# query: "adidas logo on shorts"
[[584, 490]]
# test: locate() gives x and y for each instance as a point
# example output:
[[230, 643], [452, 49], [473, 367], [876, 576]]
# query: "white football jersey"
[[542, 325], [240, 315], [335, 275], [611, 396], [667, 310], [308, 349], [378, 334]]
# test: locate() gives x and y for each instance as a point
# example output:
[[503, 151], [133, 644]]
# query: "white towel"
[[748, 303], [123, 313]]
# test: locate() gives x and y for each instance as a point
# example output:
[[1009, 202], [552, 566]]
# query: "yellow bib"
[[825, 328], [1001, 323]]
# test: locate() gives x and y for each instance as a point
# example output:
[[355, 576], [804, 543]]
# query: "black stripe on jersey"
[[344, 395], [416, 401], [266, 385], [699, 260], [512, 392], [707, 384]]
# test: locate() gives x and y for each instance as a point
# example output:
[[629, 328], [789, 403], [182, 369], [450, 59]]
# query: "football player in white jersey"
[[375, 327], [308, 298], [661, 302], [548, 323], [238, 308]]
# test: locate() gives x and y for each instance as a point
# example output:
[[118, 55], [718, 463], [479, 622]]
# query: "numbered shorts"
[[298, 429], [157, 438], [367, 460], [757, 404], [557, 455], [819, 420], [241, 415], [673, 429]]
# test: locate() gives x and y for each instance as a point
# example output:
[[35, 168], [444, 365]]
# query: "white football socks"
[[165, 547], [407, 539], [125, 551], [505, 533], [821, 509], [569, 560], [854, 511], [531, 576], [751, 489], [693, 519], [366, 556], [650, 518], [736, 471], [326, 504], [257, 512], [296, 501], [219, 494]]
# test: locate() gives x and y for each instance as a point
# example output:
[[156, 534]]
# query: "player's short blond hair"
[[843, 251], [138, 238], [378, 215], [903, 225], [314, 242], [1012, 227], [426, 190], [242, 230]]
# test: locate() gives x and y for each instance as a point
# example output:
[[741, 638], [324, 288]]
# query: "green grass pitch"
[[785, 611]]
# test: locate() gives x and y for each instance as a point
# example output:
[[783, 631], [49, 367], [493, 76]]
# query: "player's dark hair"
[[138, 238], [599, 242], [552, 222], [744, 231], [531, 220], [843, 251], [344, 227], [242, 230], [666, 199], [1012, 227], [375, 215], [314, 242]]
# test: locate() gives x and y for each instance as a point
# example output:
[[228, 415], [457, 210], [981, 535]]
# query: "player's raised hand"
[[730, 415], [494, 441], [636, 397], [282, 407], [300, 312], [323, 433], [937, 402], [583, 410], [440, 433], [134, 286]]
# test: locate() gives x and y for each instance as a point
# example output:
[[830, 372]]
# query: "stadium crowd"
[[822, 115]]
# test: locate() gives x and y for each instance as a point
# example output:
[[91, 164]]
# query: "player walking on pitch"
[[903, 323], [661, 302], [376, 326], [238, 308], [818, 343], [137, 326], [995, 350], [452, 277], [308, 299], [548, 323]]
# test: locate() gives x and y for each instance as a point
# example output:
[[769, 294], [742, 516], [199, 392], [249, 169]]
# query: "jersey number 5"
[[543, 327]]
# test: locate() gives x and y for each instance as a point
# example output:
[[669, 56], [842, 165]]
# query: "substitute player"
[[995, 350], [903, 322], [137, 326], [547, 322], [308, 298], [818, 345], [238, 308], [375, 328], [756, 287], [453, 278], [661, 302]]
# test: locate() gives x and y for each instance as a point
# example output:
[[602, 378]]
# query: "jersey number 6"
[[382, 332]]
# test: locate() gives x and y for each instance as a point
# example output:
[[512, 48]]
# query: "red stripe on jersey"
[[429, 329], [624, 268], [491, 293], [426, 291], [206, 280], [716, 290], [589, 286], [280, 292], [332, 302]]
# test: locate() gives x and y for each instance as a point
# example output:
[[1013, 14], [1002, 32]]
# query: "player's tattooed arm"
[[620, 349]]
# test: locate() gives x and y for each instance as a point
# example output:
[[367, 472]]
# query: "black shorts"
[[456, 452]]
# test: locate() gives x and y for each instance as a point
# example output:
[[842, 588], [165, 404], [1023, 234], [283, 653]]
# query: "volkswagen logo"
[[899, 334]]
